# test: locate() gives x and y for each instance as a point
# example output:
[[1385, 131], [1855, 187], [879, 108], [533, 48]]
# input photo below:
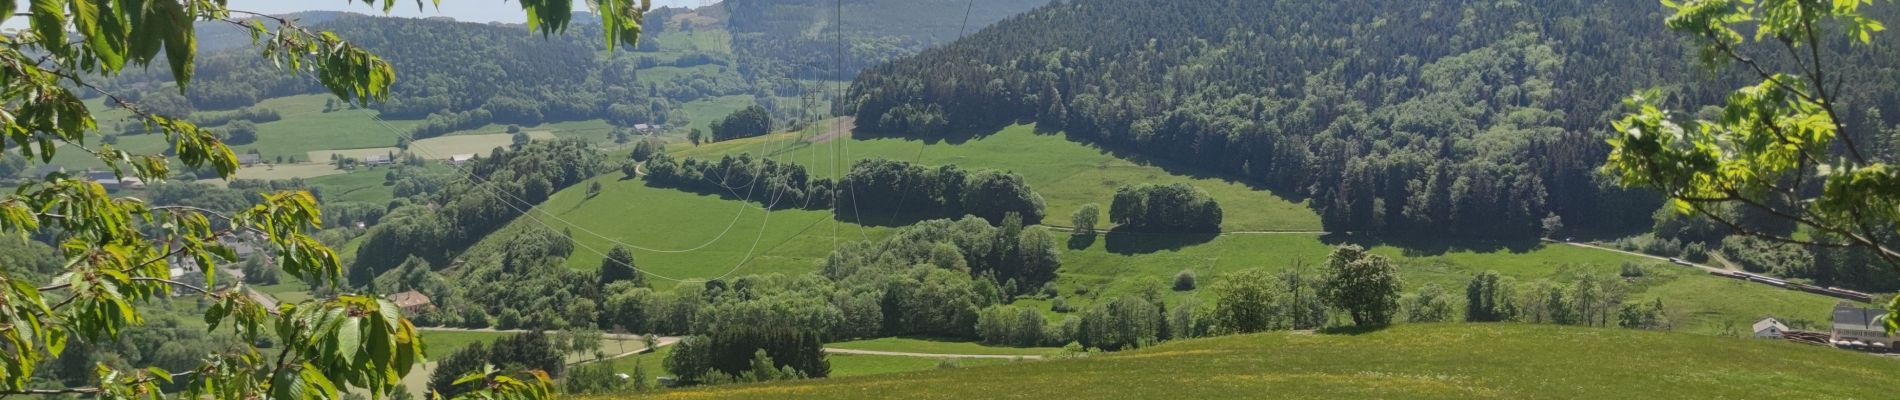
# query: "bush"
[[1695, 252], [1184, 280], [240, 132], [1631, 270], [1060, 305]]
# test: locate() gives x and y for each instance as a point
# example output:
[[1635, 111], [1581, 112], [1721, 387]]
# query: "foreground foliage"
[[121, 252]]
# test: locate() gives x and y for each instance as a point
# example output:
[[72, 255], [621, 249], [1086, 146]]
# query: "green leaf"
[[49, 22], [181, 43], [349, 338]]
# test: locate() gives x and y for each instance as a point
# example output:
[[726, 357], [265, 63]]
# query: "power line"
[[478, 183], [923, 144]]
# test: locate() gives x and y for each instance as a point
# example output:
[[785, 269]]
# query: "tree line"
[[763, 180], [1426, 118], [880, 187], [1172, 208]]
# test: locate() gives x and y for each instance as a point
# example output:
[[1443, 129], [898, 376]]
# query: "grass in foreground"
[[1459, 361], [847, 365]]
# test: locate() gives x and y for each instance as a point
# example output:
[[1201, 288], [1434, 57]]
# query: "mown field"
[[1453, 361]]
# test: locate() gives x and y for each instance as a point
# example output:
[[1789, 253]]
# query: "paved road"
[[1685, 263]]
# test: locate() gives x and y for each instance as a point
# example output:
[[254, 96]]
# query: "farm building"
[[249, 159], [459, 159], [376, 160], [1770, 328], [411, 301], [1861, 328]]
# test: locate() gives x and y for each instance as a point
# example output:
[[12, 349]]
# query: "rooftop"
[[1766, 323], [409, 299], [1848, 316]]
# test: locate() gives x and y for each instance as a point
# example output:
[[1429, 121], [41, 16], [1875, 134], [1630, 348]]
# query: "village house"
[[411, 301], [1770, 328], [459, 159], [1860, 328]]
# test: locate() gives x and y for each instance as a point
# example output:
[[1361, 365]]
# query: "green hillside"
[[706, 236], [1412, 361]]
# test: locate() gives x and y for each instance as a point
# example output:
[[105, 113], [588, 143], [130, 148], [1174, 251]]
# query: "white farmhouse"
[[1769, 328]]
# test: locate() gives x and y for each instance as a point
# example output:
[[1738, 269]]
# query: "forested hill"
[[461, 75], [800, 36], [1478, 119]]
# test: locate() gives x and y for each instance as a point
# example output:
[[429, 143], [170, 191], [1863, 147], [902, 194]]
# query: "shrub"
[[1695, 252], [1184, 280], [1631, 270]]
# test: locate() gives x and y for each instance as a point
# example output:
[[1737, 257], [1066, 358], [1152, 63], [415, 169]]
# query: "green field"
[[725, 237], [1067, 174], [442, 343], [702, 112], [1456, 361], [728, 238], [848, 365], [909, 345]]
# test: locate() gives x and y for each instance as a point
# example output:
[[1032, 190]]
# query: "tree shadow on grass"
[[1079, 241], [954, 136], [881, 218], [1126, 242]]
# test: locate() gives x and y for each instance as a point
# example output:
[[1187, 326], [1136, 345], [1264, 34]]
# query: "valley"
[[954, 199]]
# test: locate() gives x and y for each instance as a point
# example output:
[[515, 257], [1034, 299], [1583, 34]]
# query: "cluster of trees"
[[748, 354], [891, 187], [435, 225], [521, 351], [747, 122], [1174, 208], [240, 132], [1439, 118], [1575, 299], [1696, 237], [255, 114], [763, 180]]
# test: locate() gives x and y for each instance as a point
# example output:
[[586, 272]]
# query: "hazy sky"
[[461, 10]]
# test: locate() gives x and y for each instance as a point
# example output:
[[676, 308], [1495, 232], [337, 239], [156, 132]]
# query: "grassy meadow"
[[709, 236], [1450, 361], [913, 345]]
